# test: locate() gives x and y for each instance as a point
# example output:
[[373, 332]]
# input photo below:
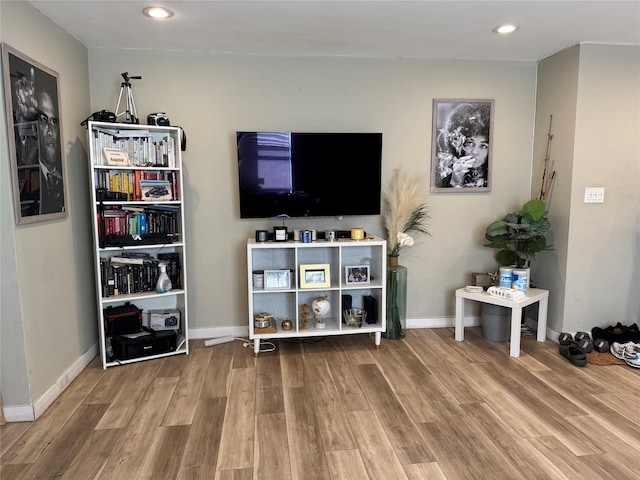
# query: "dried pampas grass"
[[405, 208]]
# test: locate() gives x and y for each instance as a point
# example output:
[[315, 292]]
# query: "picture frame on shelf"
[[357, 275], [277, 279], [461, 151], [34, 126], [317, 275]]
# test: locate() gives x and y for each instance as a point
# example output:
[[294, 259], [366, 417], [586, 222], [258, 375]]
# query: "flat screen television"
[[290, 174]]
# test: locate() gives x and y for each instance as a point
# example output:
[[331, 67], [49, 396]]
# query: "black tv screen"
[[309, 174]]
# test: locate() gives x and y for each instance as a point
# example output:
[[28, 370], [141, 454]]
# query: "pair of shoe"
[[629, 352], [618, 333], [574, 354]]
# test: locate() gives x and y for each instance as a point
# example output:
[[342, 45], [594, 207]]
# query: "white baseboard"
[[243, 332], [215, 332], [29, 413], [18, 413], [442, 322]]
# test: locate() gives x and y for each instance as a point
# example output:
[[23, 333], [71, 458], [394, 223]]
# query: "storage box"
[[168, 319], [144, 344], [481, 279]]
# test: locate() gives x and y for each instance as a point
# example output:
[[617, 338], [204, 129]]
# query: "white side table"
[[533, 295]]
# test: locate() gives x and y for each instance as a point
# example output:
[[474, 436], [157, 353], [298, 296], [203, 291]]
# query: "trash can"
[[496, 322]]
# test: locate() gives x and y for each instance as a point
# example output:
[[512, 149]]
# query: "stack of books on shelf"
[[136, 273], [137, 183], [129, 221], [142, 148]]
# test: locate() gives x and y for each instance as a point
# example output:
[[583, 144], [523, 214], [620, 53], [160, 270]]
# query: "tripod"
[[130, 113]]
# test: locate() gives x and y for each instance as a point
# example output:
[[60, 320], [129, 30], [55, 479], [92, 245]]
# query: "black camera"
[[160, 119], [101, 116]]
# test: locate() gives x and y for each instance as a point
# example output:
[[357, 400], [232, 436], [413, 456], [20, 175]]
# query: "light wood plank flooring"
[[426, 407]]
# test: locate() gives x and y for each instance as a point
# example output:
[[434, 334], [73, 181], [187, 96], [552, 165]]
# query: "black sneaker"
[[632, 332], [596, 333], [615, 334]]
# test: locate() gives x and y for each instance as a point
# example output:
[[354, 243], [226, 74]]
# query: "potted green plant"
[[520, 235], [517, 237]]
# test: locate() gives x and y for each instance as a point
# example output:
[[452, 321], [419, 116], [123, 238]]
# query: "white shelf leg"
[[256, 347], [378, 337], [516, 319], [459, 319], [542, 319]]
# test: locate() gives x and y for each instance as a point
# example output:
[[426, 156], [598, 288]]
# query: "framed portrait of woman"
[[461, 145], [34, 131]]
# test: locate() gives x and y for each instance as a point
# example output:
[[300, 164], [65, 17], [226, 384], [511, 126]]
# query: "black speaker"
[[370, 304], [347, 303]]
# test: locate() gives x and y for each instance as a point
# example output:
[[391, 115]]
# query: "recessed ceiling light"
[[157, 12], [505, 29]]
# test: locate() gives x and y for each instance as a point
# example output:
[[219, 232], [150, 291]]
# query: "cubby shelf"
[[284, 303]]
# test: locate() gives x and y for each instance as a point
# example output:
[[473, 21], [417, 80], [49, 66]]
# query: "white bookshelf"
[[152, 154]]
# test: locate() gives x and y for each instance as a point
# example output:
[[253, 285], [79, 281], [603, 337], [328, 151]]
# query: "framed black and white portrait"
[[34, 130], [357, 274], [461, 145]]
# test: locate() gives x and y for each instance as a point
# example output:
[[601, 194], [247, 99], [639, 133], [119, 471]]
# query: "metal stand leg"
[[130, 113]]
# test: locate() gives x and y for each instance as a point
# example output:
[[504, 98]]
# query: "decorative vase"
[[396, 300]]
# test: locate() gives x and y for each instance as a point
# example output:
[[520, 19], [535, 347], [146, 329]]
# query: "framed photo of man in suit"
[[34, 133]]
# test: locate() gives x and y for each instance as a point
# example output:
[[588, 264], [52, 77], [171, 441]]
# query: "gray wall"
[[47, 280], [592, 92], [214, 96]]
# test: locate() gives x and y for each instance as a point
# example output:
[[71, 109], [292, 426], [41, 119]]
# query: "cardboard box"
[[168, 319]]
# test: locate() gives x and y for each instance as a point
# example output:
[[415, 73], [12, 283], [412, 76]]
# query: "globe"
[[320, 306]]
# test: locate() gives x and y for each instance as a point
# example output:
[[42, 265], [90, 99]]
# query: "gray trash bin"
[[496, 322]]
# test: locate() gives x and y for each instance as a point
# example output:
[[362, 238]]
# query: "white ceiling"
[[378, 29]]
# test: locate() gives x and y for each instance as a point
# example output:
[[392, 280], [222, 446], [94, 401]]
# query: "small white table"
[[533, 295]]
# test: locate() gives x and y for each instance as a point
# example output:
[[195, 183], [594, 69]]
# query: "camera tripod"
[[129, 112]]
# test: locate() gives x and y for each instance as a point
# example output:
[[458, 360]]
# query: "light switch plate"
[[594, 195]]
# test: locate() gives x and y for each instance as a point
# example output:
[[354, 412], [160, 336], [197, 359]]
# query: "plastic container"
[[520, 280], [163, 284], [496, 322], [506, 274]]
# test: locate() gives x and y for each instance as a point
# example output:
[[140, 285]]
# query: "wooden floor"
[[426, 407]]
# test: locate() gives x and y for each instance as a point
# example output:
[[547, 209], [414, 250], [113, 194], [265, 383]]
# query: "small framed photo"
[[357, 275], [116, 157], [315, 276], [277, 279], [461, 153]]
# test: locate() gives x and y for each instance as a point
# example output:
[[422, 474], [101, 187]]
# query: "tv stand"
[[286, 301]]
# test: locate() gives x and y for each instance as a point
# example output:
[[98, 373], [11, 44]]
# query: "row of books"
[[135, 183], [123, 275], [141, 147], [129, 220]]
